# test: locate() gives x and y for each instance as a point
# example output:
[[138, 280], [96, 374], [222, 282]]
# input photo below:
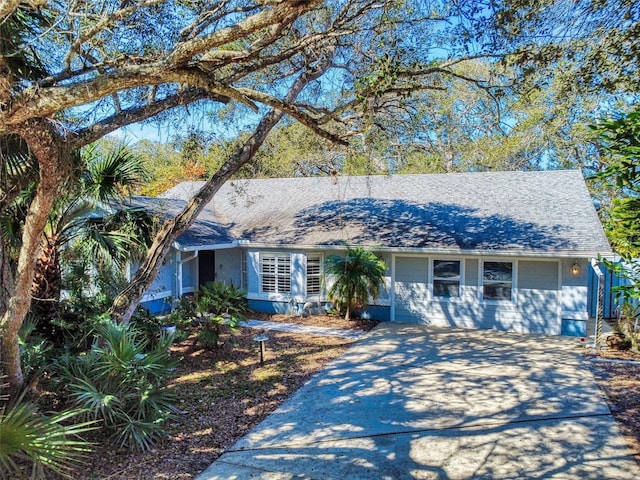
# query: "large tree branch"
[[106, 22], [7, 7], [46, 102], [283, 12], [134, 115], [127, 301], [293, 111]]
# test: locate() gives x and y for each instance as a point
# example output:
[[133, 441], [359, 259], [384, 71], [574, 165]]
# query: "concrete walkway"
[[298, 328], [416, 402]]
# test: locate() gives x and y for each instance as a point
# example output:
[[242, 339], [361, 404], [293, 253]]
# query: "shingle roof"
[[536, 212], [206, 230]]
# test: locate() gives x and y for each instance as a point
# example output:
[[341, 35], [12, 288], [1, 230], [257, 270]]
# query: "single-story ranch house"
[[496, 250]]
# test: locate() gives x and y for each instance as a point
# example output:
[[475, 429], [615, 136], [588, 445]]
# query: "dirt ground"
[[618, 374], [222, 394]]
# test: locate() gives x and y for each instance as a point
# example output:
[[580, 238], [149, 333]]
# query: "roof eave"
[[438, 251]]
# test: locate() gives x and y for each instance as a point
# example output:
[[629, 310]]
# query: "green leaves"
[[219, 304], [122, 382], [113, 172], [620, 137], [45, 443], [358, 276]]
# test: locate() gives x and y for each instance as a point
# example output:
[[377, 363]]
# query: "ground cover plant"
[[220, 395], [618, 375]]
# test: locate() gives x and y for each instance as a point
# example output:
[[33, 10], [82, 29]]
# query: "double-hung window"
[[314, 274], [446, 278], [275, 272], [497, 280]]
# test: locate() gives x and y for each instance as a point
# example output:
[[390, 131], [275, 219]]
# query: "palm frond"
[[358, 276], [114, 173], [123, 383], [46, 443]]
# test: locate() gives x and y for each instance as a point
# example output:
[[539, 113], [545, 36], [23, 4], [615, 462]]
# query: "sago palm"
[[358, 276], [219, 304]]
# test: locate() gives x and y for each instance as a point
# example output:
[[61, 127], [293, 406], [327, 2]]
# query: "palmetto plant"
[[358, 276], [32, 445], [122, 381], [219, 304]]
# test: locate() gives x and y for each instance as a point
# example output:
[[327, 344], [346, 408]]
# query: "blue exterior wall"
[[157, 307], [546, 297], [266, 306], [574, 328], [543, 293], [378, 312], [611, 302]]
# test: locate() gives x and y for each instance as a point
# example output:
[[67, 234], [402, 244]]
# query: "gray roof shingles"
[[535, 212]]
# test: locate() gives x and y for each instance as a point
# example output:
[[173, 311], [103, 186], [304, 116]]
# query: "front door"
[[206, 266]]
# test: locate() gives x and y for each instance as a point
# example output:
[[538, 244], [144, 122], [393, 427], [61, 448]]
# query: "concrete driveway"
[[418, 402]]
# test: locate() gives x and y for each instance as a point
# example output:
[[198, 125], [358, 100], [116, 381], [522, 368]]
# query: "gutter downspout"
[[595, 264], [181, 261]]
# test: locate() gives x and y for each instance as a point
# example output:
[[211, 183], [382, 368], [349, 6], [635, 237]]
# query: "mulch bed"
[[222, 394], [620, 383]]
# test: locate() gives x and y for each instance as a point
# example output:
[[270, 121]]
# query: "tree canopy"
[[73, 71]]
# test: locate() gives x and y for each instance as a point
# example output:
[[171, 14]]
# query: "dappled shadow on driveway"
[[418, 402]]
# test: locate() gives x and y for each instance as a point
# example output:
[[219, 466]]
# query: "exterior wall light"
[[575, 268]]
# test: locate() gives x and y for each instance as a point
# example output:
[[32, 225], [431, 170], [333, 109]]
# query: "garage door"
[[411, 289]]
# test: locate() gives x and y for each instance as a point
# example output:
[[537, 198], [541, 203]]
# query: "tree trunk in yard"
[[54, 166], [45, 291], [128, 300], [6, 279]]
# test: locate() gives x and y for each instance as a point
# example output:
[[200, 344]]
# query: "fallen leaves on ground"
[[222, 394], [620, 383]]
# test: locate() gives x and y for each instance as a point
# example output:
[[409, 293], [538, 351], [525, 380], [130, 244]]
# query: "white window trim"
[[277, 293], [244, 272], [321, 290], [433, 279], [514, 275]]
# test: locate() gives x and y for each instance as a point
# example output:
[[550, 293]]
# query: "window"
[[446, 278], [314, 274], [243, 270], [497, 280], [275, 272]]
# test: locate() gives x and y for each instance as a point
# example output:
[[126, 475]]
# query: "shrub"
[[32, 444], [34, 350], [219, 304], [122, 381], [358, 276]]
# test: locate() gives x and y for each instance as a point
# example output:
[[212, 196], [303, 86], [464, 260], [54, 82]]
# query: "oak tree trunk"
[[46, 145], [128, 300]]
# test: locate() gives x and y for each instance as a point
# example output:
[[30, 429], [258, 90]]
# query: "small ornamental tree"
[[358, 276]]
